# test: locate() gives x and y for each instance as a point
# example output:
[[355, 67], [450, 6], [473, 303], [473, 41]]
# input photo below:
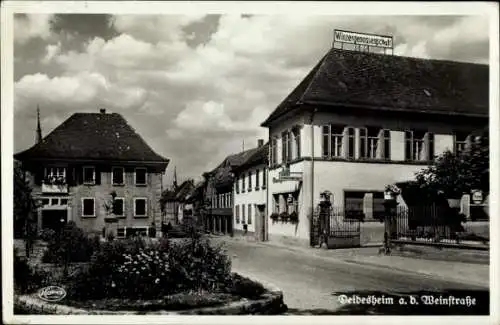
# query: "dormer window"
[[89, 175], [140, 176]]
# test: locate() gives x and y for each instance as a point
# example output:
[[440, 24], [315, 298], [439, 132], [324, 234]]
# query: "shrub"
[[47, 234], [294, 217], [71, 245], [131, 269], [274, 216], [245, 287], [26, 279]]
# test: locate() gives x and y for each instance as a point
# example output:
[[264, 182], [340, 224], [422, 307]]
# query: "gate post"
[[390, 205], [324, 217]]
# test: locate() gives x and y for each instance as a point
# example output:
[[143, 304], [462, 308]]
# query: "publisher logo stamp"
[[52, 293]]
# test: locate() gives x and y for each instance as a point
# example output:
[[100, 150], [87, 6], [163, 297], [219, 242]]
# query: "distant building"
[[359, 121], [75, 168], [219, 193], [250, 194]]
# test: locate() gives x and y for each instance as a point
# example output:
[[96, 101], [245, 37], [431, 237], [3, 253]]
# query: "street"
[[310, 283]]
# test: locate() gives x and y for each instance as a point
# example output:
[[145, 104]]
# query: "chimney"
[[260, 143], [103, 111]]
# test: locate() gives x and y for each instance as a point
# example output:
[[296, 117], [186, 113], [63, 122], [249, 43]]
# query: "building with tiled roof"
[[76, 167], [250, 193], [359, 121], [219, 191]]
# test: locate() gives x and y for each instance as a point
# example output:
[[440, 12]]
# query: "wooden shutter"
[[97, 171]]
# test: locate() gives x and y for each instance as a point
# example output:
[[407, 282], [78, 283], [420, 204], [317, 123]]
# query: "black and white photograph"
[[172, 161]]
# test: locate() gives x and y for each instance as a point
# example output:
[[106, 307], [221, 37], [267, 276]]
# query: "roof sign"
[[363, 41]]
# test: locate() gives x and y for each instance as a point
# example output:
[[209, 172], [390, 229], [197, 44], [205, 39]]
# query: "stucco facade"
[[316, 173], [70, 200]]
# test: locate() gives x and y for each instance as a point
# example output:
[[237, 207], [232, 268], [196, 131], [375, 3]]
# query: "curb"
[[270, 303]]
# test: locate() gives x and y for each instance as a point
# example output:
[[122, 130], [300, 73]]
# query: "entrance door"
[[260, 223], [54, 219]]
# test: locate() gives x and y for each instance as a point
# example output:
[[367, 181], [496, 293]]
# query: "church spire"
[[175, 177], [38, 138]]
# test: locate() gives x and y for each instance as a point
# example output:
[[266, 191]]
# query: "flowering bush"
[[130, 269], [47, 234], [393, 189]]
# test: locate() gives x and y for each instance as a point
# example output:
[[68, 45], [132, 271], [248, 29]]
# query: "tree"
[[24, 208], [454, 174]]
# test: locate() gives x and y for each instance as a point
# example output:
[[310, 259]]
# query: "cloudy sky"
[[196, 87]]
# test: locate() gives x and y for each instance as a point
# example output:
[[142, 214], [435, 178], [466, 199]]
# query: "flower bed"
[[138, 276]]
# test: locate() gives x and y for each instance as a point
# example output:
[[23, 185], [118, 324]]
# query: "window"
[[55, 174], [419, 145], [273, 151], [350, 143], [214, 202], [386, 136], [121, 232], [118, 176], [237, 213], [249, 216], [264, 178], [243, 183], [243, 214], [461, 139], [88, 207], [296, 137], [45, 201], [54, 201], [276, 203], [140, 207], [284, 147], [353, 205], [332, 140], [371, 139], [237, 185], [119, 206], [140, 176], [88, 175], [257, 180], [249, 181], [64, 201]]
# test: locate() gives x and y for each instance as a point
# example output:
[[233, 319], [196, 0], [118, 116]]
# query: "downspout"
[[312, 174], [266, 174]]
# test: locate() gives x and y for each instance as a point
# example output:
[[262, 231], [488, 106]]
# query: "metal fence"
[[435, 224], [341, 226]]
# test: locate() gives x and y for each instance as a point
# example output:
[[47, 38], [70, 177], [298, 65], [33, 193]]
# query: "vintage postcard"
[[181, 161]]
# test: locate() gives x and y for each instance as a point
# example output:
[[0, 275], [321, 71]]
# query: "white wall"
[[397, 145], [337, 176], [253, 197]]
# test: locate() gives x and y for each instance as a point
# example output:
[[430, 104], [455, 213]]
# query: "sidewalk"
[[463, 272]]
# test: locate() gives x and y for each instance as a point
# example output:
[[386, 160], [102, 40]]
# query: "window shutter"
[[97, 171], [345, 143]]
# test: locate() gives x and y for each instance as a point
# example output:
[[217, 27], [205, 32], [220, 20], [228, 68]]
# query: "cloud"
[[52, 51], [27, 27]]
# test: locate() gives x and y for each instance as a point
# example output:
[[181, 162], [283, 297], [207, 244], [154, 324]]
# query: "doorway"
[[54, 219], [260, 223]]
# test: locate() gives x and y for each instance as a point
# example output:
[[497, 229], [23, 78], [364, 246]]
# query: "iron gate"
[[331, 227]]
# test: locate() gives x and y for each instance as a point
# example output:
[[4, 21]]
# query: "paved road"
[[310, 282]]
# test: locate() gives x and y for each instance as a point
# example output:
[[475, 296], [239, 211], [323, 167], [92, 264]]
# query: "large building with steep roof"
[[76, 167], [359, 121]]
